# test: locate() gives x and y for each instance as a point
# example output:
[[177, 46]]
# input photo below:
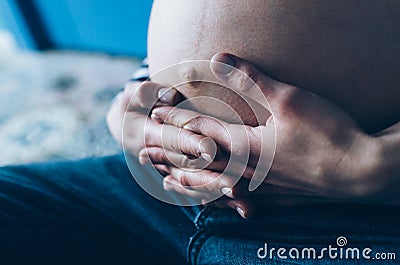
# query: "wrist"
[[365, 166]]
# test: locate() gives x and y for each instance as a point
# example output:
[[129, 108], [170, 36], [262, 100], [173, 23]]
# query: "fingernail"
[[208, 149], [222, 63], [166, 95], [227, 191], [187, 126], [241, 212], [144, 159], [170, 183], [161, 169], [156, 118], [206, 157], [168, 186]]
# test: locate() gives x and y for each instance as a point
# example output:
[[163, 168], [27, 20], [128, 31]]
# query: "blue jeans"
[[92, 212]]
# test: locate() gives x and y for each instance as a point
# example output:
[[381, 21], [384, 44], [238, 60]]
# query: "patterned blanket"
[[53, 104]]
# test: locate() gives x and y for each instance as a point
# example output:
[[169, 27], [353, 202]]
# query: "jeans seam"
[[200, 219], [200, 236], [195, 244]]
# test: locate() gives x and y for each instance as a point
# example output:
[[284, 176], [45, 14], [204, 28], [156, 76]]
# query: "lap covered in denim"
[[301, 233], [95, 211]]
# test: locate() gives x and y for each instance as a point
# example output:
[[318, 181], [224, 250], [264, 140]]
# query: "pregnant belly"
[[329, 48]]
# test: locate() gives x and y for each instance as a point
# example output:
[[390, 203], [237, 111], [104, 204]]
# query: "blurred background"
[[61, 63]]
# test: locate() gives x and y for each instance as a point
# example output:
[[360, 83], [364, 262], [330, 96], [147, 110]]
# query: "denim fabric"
[[224, 238], [93, 212], [86, 212]]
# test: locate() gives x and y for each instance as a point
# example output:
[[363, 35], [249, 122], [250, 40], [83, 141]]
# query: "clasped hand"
[[308, 151]]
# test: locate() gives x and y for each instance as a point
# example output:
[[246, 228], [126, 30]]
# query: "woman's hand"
[[320, 150], [129, 123]]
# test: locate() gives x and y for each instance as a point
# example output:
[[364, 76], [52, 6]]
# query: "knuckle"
[[197, 163], [247, 78], [148, 138], [185, 179], [141, 101], [249, 71], [174, 118], [141, 95], [188, 73], [195, 122], [158, 156], [288, 98], [128, 98], [208, 181], [190, 76], [188, 143], [194, 85], [240, 149], [185, 162]]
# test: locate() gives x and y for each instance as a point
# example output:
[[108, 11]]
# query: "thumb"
[[244, 78]]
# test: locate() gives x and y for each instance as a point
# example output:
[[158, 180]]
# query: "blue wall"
[[114, 26], [12, 20]]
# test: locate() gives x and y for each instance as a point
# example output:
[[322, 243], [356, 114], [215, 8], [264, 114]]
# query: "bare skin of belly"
[[347, 52]]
